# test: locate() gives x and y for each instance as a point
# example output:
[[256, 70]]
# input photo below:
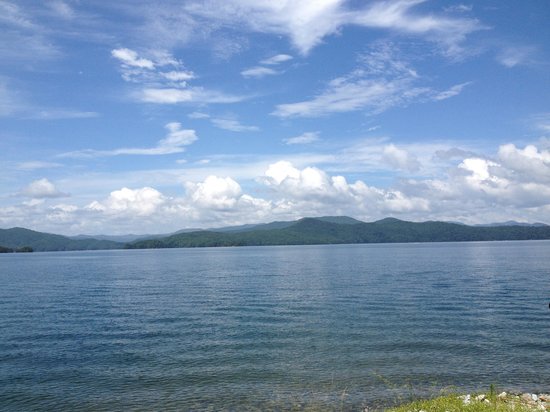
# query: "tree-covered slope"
[[322, 231], [18, 237]]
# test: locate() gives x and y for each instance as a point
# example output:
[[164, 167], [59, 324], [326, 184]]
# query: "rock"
[[502, 395], [526, 397], [480, 397], [466, 399], [534, 397]]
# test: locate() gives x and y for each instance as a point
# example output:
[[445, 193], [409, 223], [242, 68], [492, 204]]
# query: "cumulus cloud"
[[141, 202], [215, 192], [304, 138], [382, 80], [529, 164], [42, 188], [312, 188], [400, 158]]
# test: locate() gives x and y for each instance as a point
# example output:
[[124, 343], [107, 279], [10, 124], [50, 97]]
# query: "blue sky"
[[127, 116]]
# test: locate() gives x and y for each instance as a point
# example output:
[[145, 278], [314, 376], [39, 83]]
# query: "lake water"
[[271, 328]]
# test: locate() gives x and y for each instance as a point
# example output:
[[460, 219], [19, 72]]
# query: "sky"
[[150, 117]]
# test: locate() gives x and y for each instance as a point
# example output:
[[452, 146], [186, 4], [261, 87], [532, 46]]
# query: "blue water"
[[271, 328]]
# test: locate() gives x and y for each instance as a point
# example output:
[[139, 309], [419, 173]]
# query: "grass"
[[488, 402]]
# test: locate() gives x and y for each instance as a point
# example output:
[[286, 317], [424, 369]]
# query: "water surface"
[[335, 326]]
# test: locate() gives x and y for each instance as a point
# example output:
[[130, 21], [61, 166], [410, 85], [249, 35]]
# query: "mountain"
[[18, 237], [329, 231], [307, 231], [513, 223], [118, 238]]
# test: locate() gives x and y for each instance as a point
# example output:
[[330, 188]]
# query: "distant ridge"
[[337, 230], [306, 231], [19, 237]]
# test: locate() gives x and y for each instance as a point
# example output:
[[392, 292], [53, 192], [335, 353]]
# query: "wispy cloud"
[[22, 37], [174, 142], [277, 59], [129, 58], [304, 138], [512, 56], [36, 165], [57, 114], [162, 79], [233, 125], [451, 92], [15, 103], [259, 71], [262, 70], [226, 122], [382, 80], [307, 23]]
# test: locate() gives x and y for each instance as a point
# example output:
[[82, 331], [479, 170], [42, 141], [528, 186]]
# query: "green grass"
[[452, 403]]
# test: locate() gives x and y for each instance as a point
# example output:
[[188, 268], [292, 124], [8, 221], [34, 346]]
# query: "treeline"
[[24, 249], [311, 231]]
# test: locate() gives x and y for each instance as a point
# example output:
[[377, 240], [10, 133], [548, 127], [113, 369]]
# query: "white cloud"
[[312, 190], [62, 9], [258, 72], [215, 192], [35, 165], [383, 80], [262, 71], [304, 138], [162, 79], [130, 58], [175, 141], [141, 202], [541, 122], [57, 114], [42, 188], [453, 91], [198, 115], [189, 95], [14, 102], [178, 76], [22, 37], [307, 23], [233, 125], [460, 8], [513, 56], [511, 185], [277, 59], [400, 158], [529, 164]]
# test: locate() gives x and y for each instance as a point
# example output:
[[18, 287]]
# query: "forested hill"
[[310, 231], [18, 237]]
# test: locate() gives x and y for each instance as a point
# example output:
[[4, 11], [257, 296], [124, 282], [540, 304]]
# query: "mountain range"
[[306, 231]]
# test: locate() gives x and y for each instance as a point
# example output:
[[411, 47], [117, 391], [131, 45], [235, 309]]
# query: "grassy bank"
[[480, 402]]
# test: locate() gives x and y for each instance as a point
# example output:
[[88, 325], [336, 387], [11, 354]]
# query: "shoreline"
[[477, 402]]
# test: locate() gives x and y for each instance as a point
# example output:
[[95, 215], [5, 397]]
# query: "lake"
[[271, 328]]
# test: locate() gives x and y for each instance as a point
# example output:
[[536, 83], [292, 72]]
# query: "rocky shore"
[[539, 402], [480, 402]]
